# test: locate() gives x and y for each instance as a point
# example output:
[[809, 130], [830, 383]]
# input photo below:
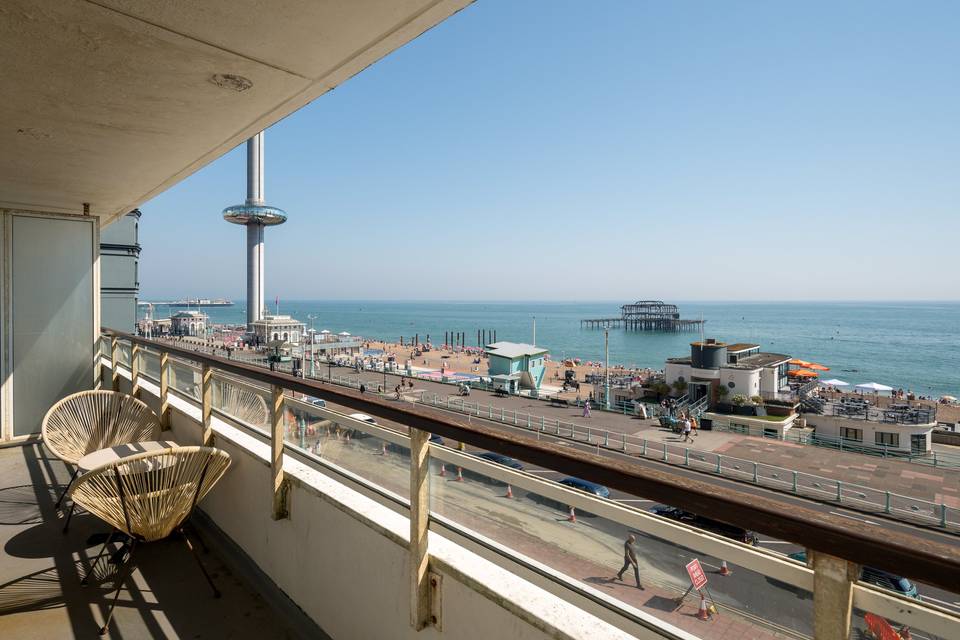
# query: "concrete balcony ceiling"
[[112, 102]]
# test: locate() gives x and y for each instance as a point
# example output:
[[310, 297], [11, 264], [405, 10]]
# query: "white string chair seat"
[[92, 420], [148, 496], [243, 404]]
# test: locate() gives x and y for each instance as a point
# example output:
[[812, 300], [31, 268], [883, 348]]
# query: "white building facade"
[[278, 327]]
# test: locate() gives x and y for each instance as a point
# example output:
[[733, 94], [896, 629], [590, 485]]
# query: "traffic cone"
[[573, 515], [724, 570], [443, 470], [703, 614], [459, 474], [509, 493]]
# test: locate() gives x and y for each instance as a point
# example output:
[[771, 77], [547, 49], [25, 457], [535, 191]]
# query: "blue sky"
[[607, 150]]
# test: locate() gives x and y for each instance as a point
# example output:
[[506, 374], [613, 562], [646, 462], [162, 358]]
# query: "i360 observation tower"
[[255, 215]]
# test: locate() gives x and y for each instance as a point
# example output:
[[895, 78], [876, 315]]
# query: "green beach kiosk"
[[515, 366]]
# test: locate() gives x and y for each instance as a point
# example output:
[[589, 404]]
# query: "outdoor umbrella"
[[817, 367], [798, 362], [344, 333], [802, 373], [873, 386], [948, 398], [835, 383]]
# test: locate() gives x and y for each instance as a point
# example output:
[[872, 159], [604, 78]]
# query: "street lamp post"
[[606, 376]]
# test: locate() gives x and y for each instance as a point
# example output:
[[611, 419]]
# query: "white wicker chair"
[[91, 420], [147, 497]]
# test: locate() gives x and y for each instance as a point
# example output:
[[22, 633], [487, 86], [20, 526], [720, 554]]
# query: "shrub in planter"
[[738, 400], [758, 400]]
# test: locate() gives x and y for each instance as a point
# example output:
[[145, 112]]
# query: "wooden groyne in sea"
[[645, 315]]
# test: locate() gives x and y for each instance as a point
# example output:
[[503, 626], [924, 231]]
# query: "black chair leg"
[[93, 569], [66, 525], [193, 552], [67, 488], [120, 581]]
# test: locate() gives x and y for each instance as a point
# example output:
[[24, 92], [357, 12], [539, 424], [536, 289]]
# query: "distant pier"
[[645, 315]]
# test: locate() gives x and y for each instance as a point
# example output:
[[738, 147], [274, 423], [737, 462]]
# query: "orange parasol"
[[802, 373], [817, 367], [798, 362]]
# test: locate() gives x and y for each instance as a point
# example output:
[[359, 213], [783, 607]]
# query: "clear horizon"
[[741, 152]]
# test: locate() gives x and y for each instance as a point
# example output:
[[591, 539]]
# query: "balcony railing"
[[569, 537]]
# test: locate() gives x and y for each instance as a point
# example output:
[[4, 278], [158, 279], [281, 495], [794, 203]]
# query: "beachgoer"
[[586, 409], [630, 559]]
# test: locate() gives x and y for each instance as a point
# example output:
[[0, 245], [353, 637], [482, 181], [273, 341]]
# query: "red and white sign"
[[697, 576]]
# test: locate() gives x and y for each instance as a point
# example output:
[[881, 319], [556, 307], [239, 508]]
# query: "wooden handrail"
[[932, 558]]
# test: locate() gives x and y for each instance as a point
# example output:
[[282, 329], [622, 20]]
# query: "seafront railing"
[[548, 532], [859, 497]]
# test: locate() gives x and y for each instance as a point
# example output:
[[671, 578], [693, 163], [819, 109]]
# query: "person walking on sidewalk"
[[630, 558], [586, 409], [686, 428]]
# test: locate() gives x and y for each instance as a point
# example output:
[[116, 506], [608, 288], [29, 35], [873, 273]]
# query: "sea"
[[909, 345]]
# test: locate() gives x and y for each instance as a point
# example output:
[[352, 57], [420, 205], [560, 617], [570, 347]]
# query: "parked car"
[[877, 577], [358, 434], [317, 402], [586, 485], [574, 483], [713, 526], [495, 458], [501, 459]]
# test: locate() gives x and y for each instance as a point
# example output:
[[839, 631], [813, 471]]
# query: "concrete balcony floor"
[[165, 597]]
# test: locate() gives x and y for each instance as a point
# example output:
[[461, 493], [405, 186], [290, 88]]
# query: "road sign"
[[697, 577]]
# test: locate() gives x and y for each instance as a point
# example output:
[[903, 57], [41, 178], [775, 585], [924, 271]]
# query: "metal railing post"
[[886, 502], [514, 416], [686, 456], [114, 359], [643, 448], [833, 580], [606, 438], [419, 529], [943, 514], [665, 459], [623, 442], [542, 423], [135, 370], [588, 435], [280, 485], [165, 389], [756, 479], [794, 481], [839, 491], [719, 460], [206, 403], [501, 414]]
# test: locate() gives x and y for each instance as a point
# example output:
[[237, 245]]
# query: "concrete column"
[[833, 580], [254, 274]]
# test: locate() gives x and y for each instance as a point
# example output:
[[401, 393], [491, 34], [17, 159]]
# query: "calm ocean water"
[[911, 345]]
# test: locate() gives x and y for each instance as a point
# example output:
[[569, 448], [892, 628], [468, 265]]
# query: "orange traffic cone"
[[724, 570], [573, 515], [703, 614], [509, 493], [443, 470], [459, 474]]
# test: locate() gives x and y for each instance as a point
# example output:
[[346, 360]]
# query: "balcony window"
[[852, 434], [888, 439]]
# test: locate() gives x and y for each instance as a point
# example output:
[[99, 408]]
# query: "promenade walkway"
[[929, 483]]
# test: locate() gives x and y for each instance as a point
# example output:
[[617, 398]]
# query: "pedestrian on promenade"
[[363, 388], [694, 426], [586, 409], [685, 423], [630, 559]]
